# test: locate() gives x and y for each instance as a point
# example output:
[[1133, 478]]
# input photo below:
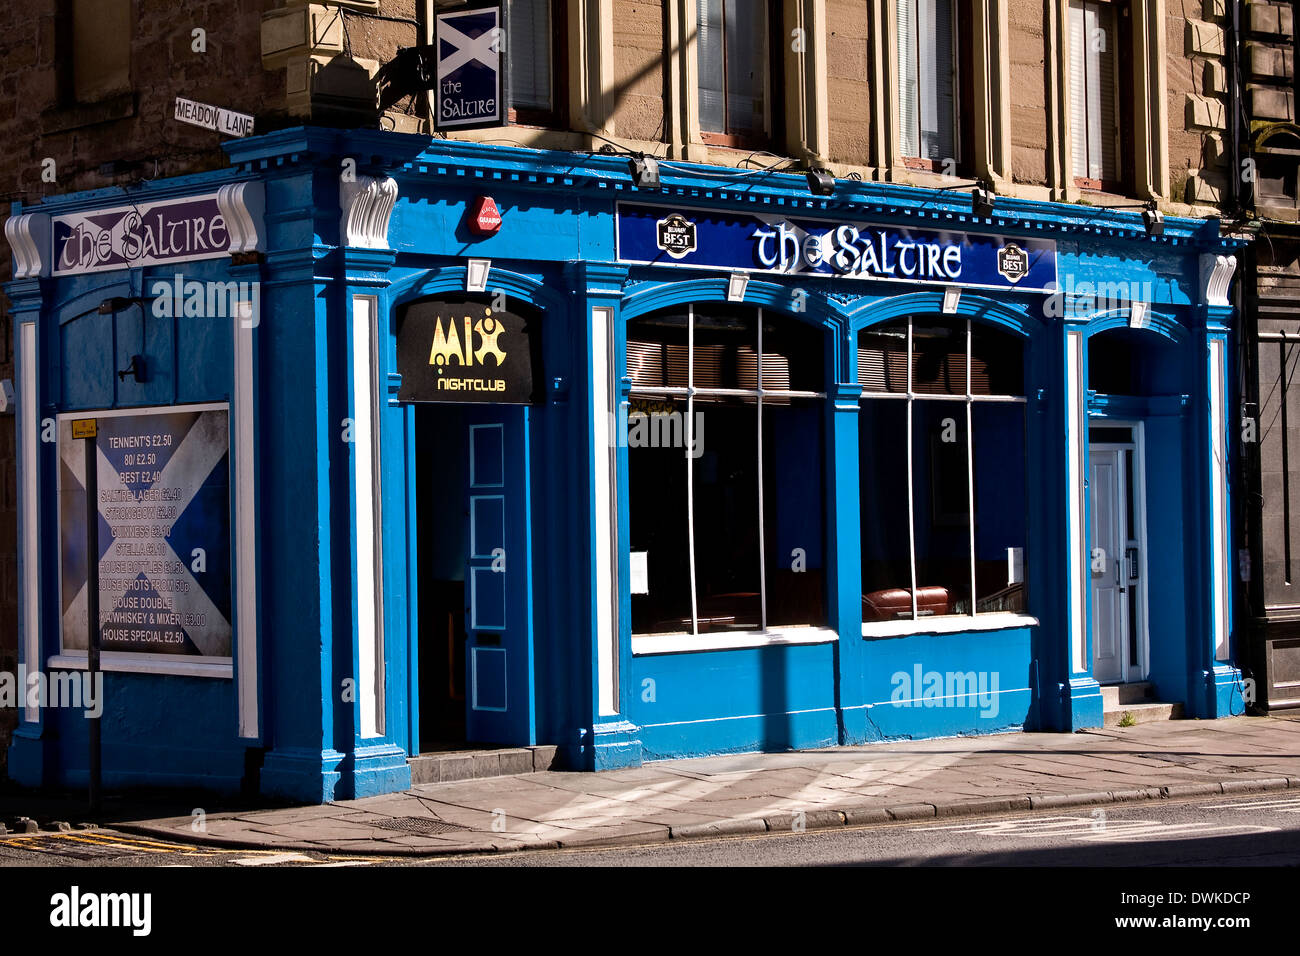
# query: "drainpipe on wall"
[[1233, 65]]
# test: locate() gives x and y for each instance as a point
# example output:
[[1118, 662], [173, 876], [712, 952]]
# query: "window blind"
[[934, 28], [708, 47], [1092, 90], [927, 66], [908, 93], [528, 54]]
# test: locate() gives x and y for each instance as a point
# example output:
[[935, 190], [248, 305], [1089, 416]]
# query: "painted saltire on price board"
[[805, 246], [164, 532]]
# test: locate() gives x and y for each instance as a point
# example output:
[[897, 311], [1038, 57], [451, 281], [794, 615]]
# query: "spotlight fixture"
[[119, 303], [737, 282], [644, 170], [1153, 220], [982, 199], [476, 274], [136, 370], [820, 181]]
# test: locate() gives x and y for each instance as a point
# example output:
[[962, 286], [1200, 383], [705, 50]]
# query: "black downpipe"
[[1236, 203]]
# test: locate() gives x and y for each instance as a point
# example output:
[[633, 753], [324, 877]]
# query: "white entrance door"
[[1114, 564]]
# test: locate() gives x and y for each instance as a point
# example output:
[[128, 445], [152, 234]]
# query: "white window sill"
[[948, 624], [139, 665], [736, 640]]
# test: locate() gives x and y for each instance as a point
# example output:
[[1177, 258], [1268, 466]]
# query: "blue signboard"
[[164, 532], [471, 58], [803, 246]]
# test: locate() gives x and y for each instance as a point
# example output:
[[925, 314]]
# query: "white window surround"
[[949, 624], [110, 661], [684, 642]]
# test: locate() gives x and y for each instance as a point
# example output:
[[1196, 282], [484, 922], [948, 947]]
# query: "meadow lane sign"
[[213, 117]]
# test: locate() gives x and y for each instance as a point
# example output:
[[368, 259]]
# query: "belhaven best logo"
[[1013, 262], [675, 235]]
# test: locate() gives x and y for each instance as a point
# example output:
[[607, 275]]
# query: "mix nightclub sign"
[[795, 245], [142, 235], [164, 535], [465, 351]]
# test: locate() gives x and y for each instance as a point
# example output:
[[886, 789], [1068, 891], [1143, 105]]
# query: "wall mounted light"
[[120, 303], [982, 199], [820, 181], [1153, 220], [736, 285], [644, 170], [951, 296], [1137, 315], [476, 274], [136, 370]]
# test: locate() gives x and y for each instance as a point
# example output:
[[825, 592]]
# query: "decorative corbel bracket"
[[366, 205], [243, 206], [1216, 276], [29, 239]]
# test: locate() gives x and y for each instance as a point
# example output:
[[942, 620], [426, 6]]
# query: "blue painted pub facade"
[[795, 471]]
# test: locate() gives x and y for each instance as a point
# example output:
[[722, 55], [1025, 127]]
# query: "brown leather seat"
[[892, 604]]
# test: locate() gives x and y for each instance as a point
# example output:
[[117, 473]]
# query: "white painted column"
[[1076, 436], [369, 551], [29, 522], [244, 439], [1219, 558], [605, 452]]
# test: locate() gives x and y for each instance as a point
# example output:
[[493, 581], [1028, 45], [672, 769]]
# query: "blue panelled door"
[[498, 577]]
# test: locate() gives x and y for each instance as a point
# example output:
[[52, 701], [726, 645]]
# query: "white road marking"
[[1097, 829], [1287, 805], [271, 859]]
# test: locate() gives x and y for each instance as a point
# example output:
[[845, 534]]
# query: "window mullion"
[[970, 465], [911, 491], [690, 462], [762, 536]]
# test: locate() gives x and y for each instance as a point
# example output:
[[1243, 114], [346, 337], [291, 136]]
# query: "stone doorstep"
[[453, 765], [1142, 713]]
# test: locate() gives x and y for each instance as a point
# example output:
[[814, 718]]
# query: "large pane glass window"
[[927, 80], [732, 59], [725, 446], [942, 446]]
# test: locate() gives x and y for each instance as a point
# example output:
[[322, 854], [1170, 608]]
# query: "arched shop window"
[[942, 446], [725, 471]]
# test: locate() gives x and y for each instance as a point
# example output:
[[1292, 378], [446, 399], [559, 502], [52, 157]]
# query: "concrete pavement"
[[756, 793]]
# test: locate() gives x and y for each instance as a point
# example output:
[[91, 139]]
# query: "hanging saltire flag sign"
[[164, 532], [470, 68]]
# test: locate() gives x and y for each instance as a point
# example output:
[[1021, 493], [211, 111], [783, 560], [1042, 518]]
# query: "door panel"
[[498, 591], [1107, 565]]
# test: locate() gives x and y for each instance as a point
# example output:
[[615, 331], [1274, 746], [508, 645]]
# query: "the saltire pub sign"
[[462, 350], [806, 246], [470, 55]]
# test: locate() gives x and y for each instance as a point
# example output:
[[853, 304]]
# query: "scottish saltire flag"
[[164, 532]]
